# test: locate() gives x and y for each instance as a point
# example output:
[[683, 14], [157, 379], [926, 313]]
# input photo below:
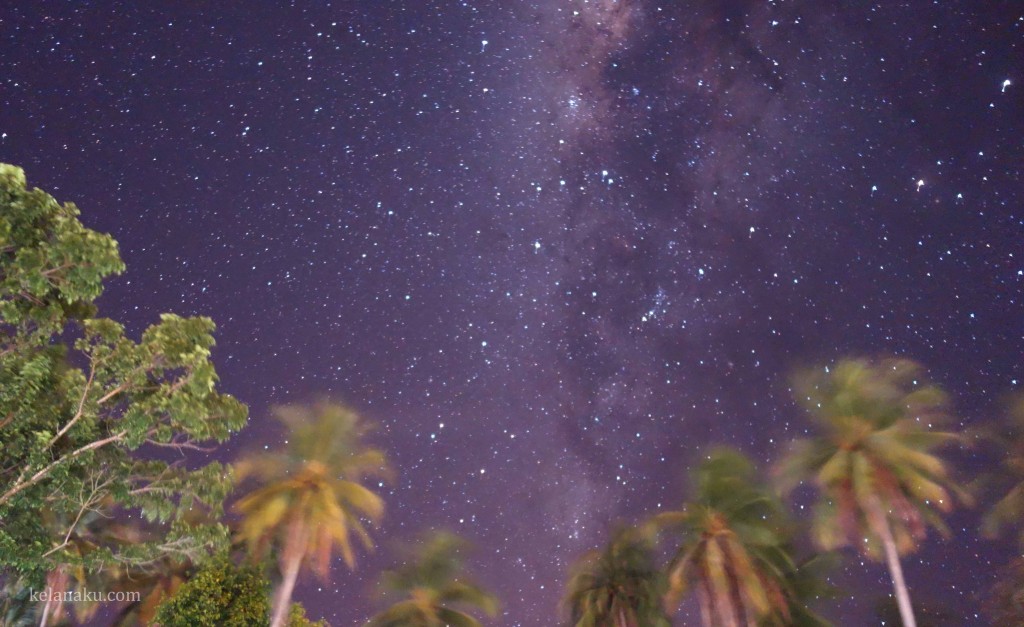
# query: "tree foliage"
[[222, 593], [734, 546], [83, 406], [1009, 508], [86, 407], [219, 594], [874, 459], [311, 499], [620, 586], [431, 590], [297, 618]]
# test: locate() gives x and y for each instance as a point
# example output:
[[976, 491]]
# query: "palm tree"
[[620, 586], [873, 462], [929, 614], [804, 585], [1004, 603], [1009, 437], [311, 499], [432, 588], [733, 549]]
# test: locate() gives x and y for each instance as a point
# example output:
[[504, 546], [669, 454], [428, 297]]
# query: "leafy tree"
[[620, 586], [222, 593], [1009, 437], [431, 588], [874, 461], [311, 499], [153, 582], [153, 585], [297, 618], [92, 531], [82, 405], [733, 546], [219, 594]]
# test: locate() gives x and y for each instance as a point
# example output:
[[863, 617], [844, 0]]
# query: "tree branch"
[[55, 270], [182, 444], [95, 498], [21, 484], [111, 394], [81, 405]]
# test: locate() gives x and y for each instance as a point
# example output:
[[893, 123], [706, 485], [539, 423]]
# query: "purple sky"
[[553, 248]]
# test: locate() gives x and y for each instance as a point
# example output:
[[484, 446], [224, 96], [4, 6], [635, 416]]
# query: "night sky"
[[553, 248]]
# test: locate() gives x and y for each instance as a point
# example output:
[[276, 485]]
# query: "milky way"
[[552, 248]]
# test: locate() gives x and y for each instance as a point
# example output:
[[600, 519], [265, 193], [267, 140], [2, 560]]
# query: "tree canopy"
[[311, 499], [83, 406], [620, 586], [429, 588], [219, 594], [874, 460]]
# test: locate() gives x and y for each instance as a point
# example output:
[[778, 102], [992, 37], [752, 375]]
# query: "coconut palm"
[[928, 614], [1004, 602], [873, 461], [432, 591], [1009, 510], [620, 586], [732, 547], [311, 500], [804, 585]]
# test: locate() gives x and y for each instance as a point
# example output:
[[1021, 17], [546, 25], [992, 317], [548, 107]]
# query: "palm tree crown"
[[1009, 510], [311, 499], [620, 586], [432, 588], [732, 548], [874, 460]]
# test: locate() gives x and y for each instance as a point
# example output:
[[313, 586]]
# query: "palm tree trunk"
[[896, 570], [283, 594], [44, 621], [55, 580], [750, 618], [704, 598], [892, 559]]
